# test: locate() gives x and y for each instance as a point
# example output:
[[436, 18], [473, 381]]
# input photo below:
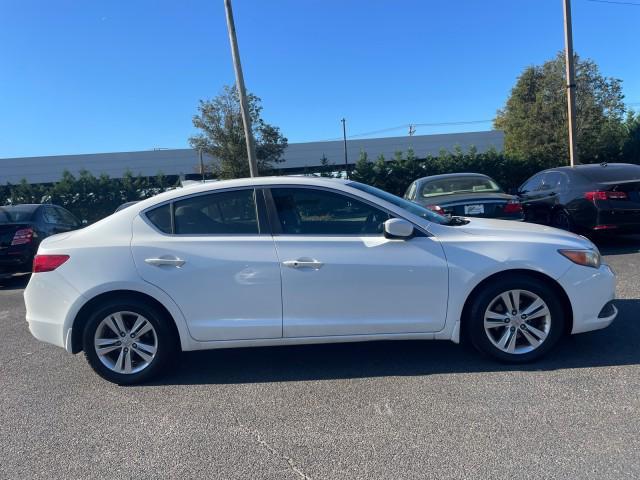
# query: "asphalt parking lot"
[[376, 410]]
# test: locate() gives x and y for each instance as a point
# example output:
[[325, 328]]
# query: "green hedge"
[[92, 198], [88, 197]]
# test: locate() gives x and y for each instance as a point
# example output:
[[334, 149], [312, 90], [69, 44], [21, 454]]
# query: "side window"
[[67, 218], [550, 182], [50, 215], [306, 211], [563, 183], [229, 213], [161, 218], [532, 184]]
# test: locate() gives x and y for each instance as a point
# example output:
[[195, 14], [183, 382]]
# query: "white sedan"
[[296, 260]]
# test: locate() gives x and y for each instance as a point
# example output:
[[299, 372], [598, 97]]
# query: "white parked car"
[[295, 260]]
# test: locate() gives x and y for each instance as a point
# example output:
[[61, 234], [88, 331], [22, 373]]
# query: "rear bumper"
[[591, 293], [16, 262], [618, 221], [50, 302]]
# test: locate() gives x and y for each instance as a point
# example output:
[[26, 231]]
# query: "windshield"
[[451, 185], [402, 203], [20, 213]]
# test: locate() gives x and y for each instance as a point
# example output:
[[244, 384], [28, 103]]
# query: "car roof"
[[590, 167], [23, 206], [444, 176], [593, 170], [236, 183]]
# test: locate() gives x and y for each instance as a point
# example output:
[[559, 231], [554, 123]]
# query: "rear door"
[[531, 195], [213, 254], [341, 276]]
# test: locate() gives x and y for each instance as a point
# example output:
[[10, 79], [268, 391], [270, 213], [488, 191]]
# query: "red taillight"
[[48, 263], [436, 208], [605, 227], [600, 195], [512, 206], [22, 236]]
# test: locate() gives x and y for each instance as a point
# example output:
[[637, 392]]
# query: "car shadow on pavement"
[[616, 345], [14, 282]]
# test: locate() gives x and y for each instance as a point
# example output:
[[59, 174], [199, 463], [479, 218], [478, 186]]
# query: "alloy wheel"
[[517, 321], [125, 342]]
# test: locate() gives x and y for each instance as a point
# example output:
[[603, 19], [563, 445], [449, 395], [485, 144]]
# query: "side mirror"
[[398, 228]]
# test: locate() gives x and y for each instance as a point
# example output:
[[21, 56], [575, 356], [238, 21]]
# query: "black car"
[[22, 228], [585, 198], [464, 194]]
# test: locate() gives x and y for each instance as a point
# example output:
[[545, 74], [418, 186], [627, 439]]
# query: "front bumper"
[[590, 291]]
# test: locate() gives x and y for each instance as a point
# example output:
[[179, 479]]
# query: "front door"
[[213, 256], [341, 276]]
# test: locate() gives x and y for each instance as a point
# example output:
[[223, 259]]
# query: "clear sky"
[[85, 76]]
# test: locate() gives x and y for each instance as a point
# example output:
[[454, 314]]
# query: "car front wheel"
[[516, 319], [127, 342]]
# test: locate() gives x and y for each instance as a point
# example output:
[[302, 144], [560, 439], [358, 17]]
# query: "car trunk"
[[7, 232], [620, 211], [490, 205]]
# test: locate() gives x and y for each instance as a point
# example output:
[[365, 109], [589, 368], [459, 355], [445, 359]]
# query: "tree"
[[631, 147], [222, 135], [534, 118]]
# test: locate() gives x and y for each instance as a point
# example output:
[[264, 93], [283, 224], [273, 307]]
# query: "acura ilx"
[[299, 260]]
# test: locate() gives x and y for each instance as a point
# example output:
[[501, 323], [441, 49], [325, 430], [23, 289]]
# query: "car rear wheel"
[[561, 219], [127, 342], [516, 319]]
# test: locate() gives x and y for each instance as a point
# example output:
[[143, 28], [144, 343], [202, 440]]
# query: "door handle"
[[173, 262], [303, 263]]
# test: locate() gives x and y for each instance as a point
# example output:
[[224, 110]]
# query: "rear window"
[[611, 173], [452, 185], [16, 214]]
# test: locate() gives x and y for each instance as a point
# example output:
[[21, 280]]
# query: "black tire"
[[164, 338], [562, 220], [479, 337]]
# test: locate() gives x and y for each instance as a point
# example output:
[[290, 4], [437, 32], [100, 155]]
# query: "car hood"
[[510, 230]]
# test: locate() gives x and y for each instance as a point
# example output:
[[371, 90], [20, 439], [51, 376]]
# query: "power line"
[[616, 2], [408, 125]]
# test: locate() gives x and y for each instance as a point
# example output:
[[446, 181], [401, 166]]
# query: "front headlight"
[[587, 258]]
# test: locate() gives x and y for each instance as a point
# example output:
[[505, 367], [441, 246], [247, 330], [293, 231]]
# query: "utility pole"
[[344, 137], [242, 94], [201, 163], [571, 83]]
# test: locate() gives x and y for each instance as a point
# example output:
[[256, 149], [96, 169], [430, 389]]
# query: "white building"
[[297, 157]]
